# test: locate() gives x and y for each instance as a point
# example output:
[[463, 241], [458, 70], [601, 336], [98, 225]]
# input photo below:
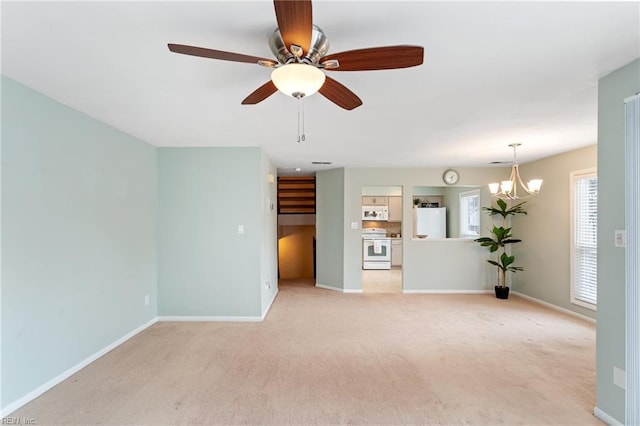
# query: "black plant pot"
[[502, 292]]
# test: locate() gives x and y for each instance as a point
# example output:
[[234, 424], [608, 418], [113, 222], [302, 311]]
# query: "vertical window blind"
[[585, 237], [632, 256]]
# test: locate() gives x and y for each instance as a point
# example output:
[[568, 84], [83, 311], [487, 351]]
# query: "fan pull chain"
[[301, 135]]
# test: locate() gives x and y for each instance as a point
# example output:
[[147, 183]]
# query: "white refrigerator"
[[431, 222]]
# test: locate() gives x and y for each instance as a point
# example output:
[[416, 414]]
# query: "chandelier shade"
[[508, 189], [298, 80]]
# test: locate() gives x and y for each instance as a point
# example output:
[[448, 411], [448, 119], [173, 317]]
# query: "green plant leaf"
[[507, 260], [517, 209], [483, 240], [511, 241], [503, 211]]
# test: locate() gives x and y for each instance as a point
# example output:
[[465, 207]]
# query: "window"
[[470, 214], [584, 238]]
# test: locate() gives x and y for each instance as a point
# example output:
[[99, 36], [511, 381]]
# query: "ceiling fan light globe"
[[298, 79]]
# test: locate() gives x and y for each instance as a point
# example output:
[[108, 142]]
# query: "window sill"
[[585, 305]]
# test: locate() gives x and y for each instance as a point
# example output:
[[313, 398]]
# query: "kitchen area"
[[435, 217], [429, 263], [382, 239]]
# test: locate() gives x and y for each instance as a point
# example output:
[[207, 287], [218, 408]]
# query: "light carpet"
[[323, 357]]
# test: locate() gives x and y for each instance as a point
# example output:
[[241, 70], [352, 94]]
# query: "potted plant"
[[498, 241]]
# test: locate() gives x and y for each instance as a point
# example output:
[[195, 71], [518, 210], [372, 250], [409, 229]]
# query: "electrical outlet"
[[619, 378], [146, 300], [354, 225], [268, 284], [240, 229], [620, 238]]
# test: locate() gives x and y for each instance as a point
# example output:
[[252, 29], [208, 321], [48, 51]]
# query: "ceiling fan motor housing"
[[319, 47]]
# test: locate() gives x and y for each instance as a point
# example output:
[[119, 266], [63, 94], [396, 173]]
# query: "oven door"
[[376, 250]]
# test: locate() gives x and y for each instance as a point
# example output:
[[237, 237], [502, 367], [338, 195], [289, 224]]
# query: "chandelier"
[[508, 189]]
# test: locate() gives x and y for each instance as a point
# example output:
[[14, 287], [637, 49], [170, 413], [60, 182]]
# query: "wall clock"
[[450, 177]]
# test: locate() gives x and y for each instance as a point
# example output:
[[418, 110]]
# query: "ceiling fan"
[[300, 48]]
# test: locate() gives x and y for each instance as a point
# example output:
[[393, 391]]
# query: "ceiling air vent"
[[321, 162]]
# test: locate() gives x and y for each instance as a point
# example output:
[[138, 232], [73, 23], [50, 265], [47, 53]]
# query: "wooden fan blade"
[[339, 94], [377, 58], [295, 21], [260, 94], [216, 54]]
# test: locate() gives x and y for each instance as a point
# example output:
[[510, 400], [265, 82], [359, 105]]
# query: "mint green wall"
[[205, 268], [428, 190], [545, 232], [393, 191], [330, 227], [78, 242], [612, 89]]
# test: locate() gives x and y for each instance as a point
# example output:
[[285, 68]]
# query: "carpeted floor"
[[323, 357]]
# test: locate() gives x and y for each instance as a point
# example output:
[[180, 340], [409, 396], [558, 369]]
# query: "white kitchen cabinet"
[[375, 201], [396, 252], [395, 209]]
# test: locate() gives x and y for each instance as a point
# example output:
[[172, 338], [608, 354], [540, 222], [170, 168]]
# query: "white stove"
[[376, 249], [374, 233]]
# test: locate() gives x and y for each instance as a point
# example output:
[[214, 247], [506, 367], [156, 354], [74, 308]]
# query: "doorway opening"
[[382, 252], [297, 230]]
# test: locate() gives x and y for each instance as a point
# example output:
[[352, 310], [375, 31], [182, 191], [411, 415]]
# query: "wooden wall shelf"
[[297, 195]]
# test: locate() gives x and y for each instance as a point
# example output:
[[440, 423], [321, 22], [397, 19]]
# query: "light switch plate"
[[240, 229], [354, 225], [620, 238], [619, 377]]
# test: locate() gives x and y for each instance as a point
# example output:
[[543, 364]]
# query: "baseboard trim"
[[447, 291], [328, 287], [266, 311], [341, 290], [605, 417], [554, 307], [5, 411], [189, 318]]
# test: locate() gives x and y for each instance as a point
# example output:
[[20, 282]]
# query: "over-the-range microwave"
[[375, 213]]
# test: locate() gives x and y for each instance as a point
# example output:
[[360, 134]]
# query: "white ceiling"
[[493, 73]]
